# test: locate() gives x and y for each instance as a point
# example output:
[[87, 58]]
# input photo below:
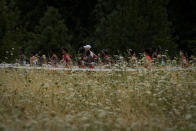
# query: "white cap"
[[87, 46]]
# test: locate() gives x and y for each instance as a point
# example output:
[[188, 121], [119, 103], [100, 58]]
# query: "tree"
[[136, 24], [51, 33], [182, 13], [31, 11], [10, 35]]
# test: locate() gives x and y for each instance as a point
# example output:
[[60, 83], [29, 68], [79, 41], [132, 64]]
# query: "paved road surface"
[[76, 68]]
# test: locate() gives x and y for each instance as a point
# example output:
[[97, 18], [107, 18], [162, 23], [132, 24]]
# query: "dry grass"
[[49, 100]]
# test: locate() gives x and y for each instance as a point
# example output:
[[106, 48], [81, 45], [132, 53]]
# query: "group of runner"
[[87, 59]]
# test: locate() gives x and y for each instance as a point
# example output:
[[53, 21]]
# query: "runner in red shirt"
[[66, 58], [184, 61], [147, 60]]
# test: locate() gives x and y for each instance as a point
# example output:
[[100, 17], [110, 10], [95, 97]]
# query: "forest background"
[[105, 24]]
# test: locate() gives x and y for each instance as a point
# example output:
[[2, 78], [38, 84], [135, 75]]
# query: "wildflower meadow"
[[87, 100]]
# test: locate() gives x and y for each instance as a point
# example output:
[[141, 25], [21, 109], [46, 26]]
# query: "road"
[[97, 68]]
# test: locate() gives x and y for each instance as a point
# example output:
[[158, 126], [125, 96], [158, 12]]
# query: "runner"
[[53, 59], [81, 57], [41, 58], [67, 62], [117, 57], [156, 56], [184, 61], [106, 59], [90, 56], [90, 60], [33, 59], [87, 48], [147, 59], [22, 57], [132, 58]]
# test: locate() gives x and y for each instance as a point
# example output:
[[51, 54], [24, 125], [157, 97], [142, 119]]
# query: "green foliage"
[[51, 33], [31, 11], [182, 13], [136, 24], [192, 45], [10, 34]]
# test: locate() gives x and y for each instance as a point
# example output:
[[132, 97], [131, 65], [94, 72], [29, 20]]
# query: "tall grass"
[[50, 100]]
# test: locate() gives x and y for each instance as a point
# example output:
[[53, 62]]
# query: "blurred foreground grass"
[[49, 100]]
